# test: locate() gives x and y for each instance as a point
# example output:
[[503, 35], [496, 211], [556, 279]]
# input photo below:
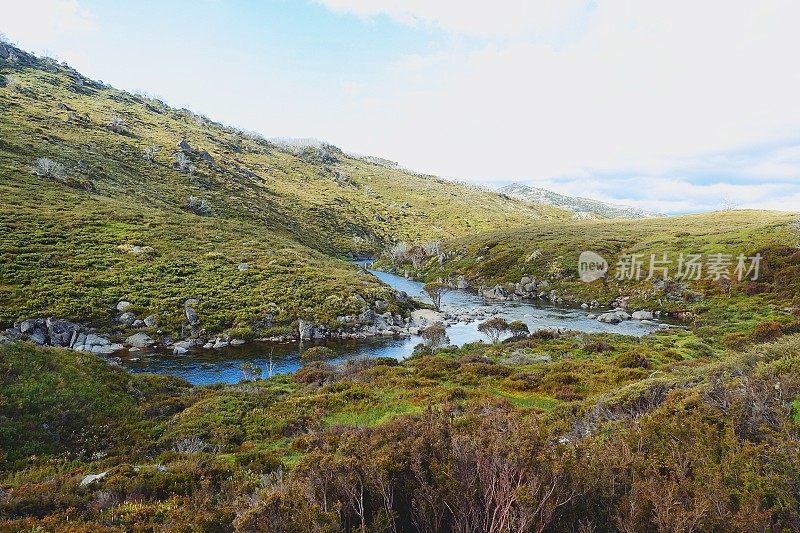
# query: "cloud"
[[471, 17], [37, 24], [673, 90]]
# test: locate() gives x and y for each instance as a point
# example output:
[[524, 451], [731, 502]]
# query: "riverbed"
[[207, 366]]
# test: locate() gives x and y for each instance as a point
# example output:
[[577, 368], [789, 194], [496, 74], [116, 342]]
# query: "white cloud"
[[648, 88], [38, 24], [471, 17]]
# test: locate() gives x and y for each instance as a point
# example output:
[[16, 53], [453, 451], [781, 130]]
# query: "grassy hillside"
[[69, 239]]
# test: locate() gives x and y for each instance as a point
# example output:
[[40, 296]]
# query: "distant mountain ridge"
[[582, 207]]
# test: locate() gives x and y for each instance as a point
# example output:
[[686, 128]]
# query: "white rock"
[[91, 478], [123, 305], [642, 315], [139, 340], [237, 342]]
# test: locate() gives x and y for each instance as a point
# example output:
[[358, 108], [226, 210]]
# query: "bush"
[[198, 206], [117, 124], [632, 360], [767, 331], [47, 168], [317, 353]]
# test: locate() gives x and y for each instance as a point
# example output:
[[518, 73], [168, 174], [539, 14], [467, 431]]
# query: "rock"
[[380, 306], [150, 321], [106, 349], [614, 317], [237, 342], [308, 330], [462, 284], [91, 478], [96, 340], [139, 340], [584, 306], [642, 315], [127, 318], [207, 157], [181, 348], [191, 301], [191, 317], [5, 340], [123, 305], [60, 332], [39, 337], [525, 280], [609, 318], [220, 343], [243, 266], [27, 326], [138, 323], [184, 146]]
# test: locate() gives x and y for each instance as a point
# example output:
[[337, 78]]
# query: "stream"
[[208, 366]]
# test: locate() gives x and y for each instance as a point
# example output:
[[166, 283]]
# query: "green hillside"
[[120, 211]]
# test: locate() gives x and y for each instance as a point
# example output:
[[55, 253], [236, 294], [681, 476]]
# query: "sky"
[[674, 107]]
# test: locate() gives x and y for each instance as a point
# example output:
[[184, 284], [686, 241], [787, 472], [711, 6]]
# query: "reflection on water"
[[203, 367]]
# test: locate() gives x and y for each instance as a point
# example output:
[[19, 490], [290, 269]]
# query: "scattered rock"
[[150, 321], [123, 305], [139, 340], [642, 315], [237, 342], [127, 318], [243, 266]]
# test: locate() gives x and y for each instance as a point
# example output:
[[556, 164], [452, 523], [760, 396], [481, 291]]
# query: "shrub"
[[632, 360], [767, 331], [183, 163], [435, 335], [518, 328], [317, 353], [117, 124], [493, 328], [149, 153], [47, 168], [198, 206]]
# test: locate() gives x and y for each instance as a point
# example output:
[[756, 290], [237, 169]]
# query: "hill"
[[581, 207], [108, 196]]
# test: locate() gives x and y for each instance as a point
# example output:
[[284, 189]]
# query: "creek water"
[[204, 366]]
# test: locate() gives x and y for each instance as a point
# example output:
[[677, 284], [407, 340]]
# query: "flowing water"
[[202, 367]]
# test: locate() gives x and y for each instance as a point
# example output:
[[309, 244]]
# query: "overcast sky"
[[671, 106]]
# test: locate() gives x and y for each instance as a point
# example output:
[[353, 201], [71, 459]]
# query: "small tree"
[[183, 163], [150, 153], [417, 255], [250, 371], [493, 328], [117, 124], [317, 353], [436, 291], [47, 168], [518, 328], [435, 335], [398, 253]]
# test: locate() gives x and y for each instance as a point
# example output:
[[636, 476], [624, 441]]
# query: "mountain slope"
[[154, 205], [582, 207]]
